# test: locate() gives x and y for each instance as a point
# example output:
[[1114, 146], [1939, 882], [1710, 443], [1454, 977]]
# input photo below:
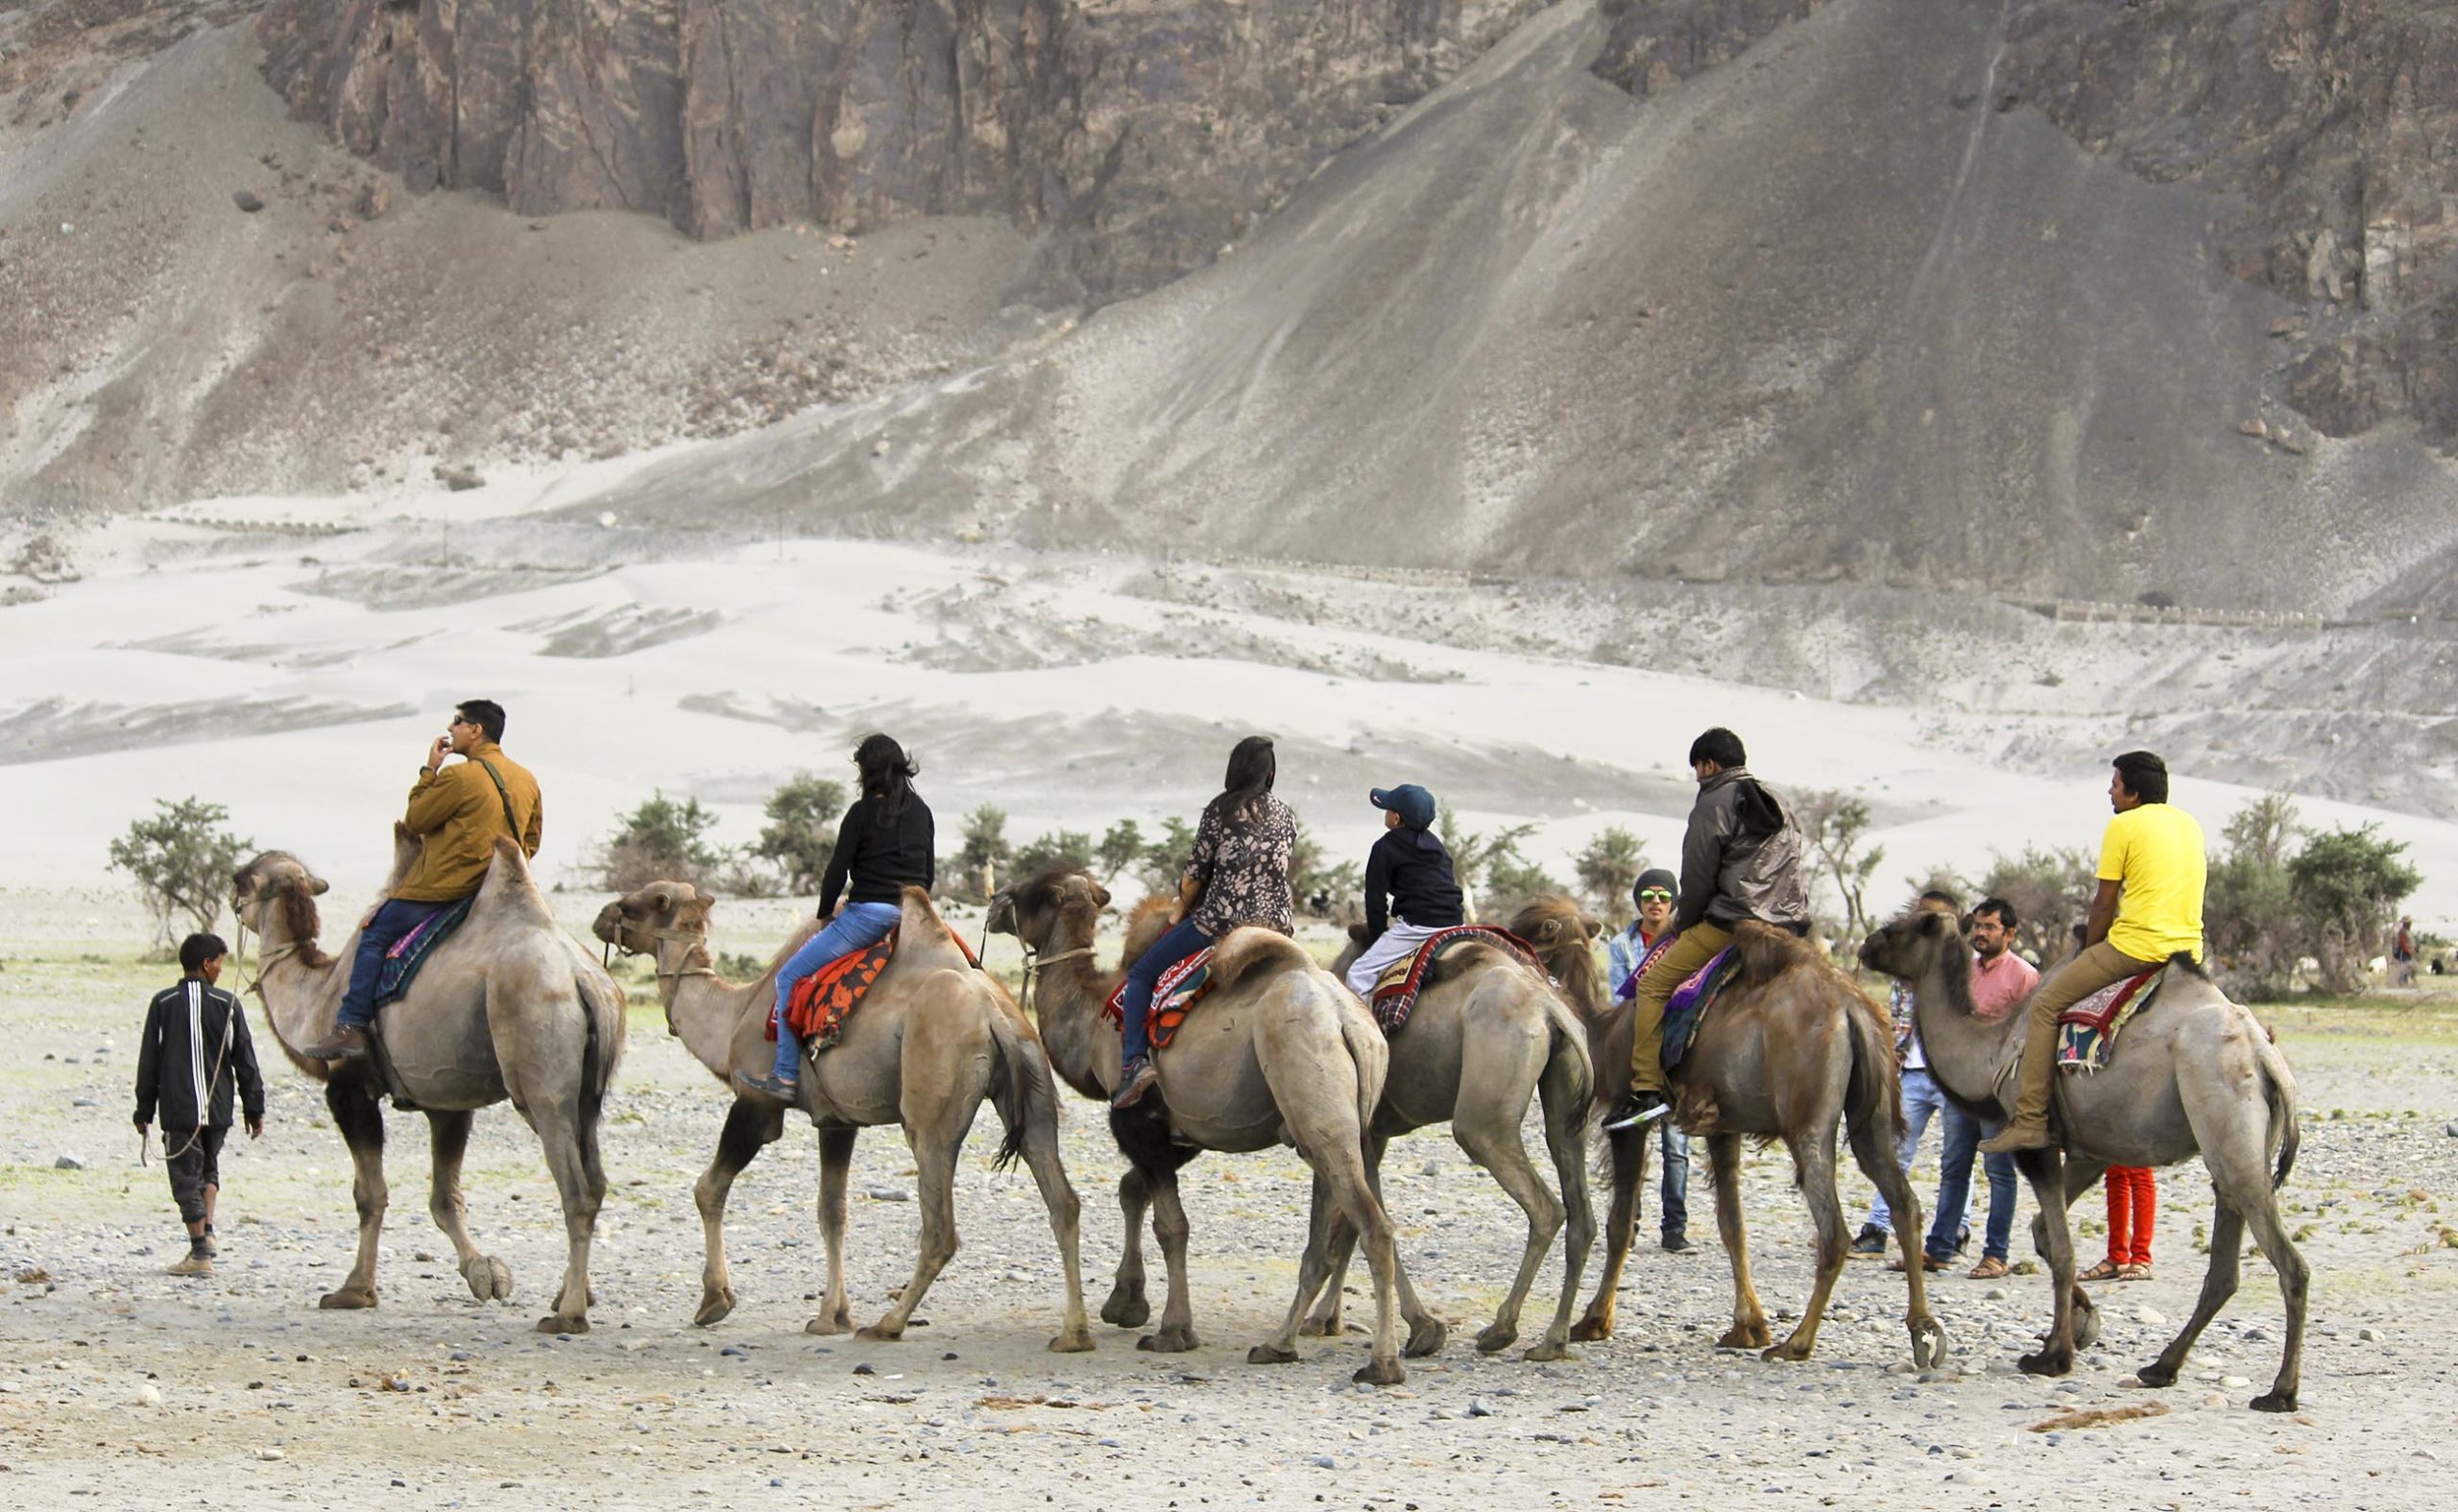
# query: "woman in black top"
[[1237, 875], [883, 846]]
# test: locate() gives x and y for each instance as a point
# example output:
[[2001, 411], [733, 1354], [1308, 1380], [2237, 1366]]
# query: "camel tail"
[[1874, 1090], [1371, 1054], [603, 1002], [1020, 1085], [1569, 1054], [2279, 1087]]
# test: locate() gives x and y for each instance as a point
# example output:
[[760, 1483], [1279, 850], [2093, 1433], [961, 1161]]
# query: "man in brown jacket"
[[457, 812]]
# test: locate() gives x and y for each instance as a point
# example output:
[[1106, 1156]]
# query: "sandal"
[[2105, 1271], [2142, 1272], [1990, 1268]]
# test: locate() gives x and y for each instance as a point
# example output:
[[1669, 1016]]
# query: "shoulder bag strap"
[[504, 793]]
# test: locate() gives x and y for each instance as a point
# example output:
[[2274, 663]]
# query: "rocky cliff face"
[[1140, 136]]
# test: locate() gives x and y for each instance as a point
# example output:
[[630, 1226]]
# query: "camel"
[[1487, 1035], [1791, 1050], [2191, 1072], [930, 1040], [1279, 1052], [508, 1006]]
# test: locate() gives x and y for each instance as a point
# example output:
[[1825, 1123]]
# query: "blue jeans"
[[393, 918], [1182, 940], [1674, 1146], [1921, 1102], [854, 926], [1964, 1134]]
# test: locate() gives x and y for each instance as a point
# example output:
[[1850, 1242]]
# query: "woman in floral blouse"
[[1237, 874]]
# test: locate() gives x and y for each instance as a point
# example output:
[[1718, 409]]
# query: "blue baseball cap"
[[1412, 803]]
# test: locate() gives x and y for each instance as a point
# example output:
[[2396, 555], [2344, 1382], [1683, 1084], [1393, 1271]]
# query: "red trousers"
[[2132, 1203]]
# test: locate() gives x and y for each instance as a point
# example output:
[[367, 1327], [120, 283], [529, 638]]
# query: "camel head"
[[634, 923], [1057, 909], [1564, 935], [1906, 946], [277, 880]]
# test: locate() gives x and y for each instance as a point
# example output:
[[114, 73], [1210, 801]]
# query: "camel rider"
[[1741, 859], [1411, 893], [884, 845], [457, 812], [2149, 908], [1237, 875]]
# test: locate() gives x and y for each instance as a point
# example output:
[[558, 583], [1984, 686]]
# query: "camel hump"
[[1249, 951], [1764, 952], [923, 929], [509, 890]]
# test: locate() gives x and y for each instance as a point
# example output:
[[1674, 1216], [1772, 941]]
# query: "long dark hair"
[[1252, 766], [887, 774]]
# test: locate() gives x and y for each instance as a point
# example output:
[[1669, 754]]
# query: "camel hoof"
[[1426, 1335], [1751, 1335], [2273, 1401], [1078, 1341], [2157, 1374], [880, 1333], [1266, 1354], [1548, 1352], [1496, 1338], [557, 1323], [827, 1325], [1928, 1345], [350, 1299], [1380, 1373], [1321, 1328], [1788, 1353], [1126, 1311], [1169, 1341], [2047, 1362], [713, 1306], [1591, 1331], [489, 1278]]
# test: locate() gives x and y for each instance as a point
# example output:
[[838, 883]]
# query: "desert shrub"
[[181, 860], [800, 837], [1607, 869], [662, 840]]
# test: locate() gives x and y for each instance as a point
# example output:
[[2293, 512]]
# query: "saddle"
[[1180, 988], [1395, 991], [1687, 1008], [2087, 1032], [400, 964], [822, 1001]]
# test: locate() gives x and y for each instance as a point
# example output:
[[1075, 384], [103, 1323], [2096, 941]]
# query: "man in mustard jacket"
[[457, 812]]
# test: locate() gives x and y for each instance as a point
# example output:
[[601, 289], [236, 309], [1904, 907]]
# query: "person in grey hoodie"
[[1740, 860]]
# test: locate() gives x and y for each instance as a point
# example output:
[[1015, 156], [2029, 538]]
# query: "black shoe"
[[1637, 1107], [775, 1089], [347, 1043], [1871, 1240], [1679, 1244], [1962, 1242], [1137, 1078]]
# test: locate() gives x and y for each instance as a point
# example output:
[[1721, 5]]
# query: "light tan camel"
[[2192, 1072], [1488, 1035], [1790, 1050], [930, 1040], [508, 1006], [1279, 1052]]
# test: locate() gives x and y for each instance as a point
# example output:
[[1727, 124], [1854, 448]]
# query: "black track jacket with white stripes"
[[183, 1049]]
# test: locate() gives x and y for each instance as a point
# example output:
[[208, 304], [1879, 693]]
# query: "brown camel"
[[1279, 1052], [2192, 1072], [1488, 1035], [1791, 1050], [508, 1006], [931, 1039]]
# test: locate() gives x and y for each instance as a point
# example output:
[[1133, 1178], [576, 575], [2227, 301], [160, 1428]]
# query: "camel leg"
[[1352, 1187], [1327, 1237], [362, 1125], [835, 1172], [2218, 1285], [1814, 1172], [1748, 1328], [1325, 1321], [448, 1133], [1065, 1215], [1169, 1226], [556, 1124], [1490, 1136], [1630, 1153], [2233, 1134], [934, 1158], [1126, 1305], [2082, 1174], [749, 1127], [2053, 1238], [1876, 1157], [2294, 1282], [1565, 1138]]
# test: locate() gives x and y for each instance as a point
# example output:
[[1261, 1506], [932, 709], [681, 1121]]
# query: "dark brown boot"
[[344, 1043]]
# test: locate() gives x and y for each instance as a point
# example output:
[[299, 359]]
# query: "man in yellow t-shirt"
[[2152, 867]]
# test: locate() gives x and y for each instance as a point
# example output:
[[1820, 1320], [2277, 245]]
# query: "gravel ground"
[[118, 1375]]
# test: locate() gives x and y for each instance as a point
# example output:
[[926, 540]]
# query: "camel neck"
[[1066, 1002], [703, 1008], [1964, 1049], [301, 989]]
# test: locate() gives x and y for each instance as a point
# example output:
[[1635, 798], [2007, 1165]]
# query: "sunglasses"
[[1655, 895]]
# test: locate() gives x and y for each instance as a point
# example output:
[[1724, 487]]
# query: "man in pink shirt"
[[2000, 980]]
